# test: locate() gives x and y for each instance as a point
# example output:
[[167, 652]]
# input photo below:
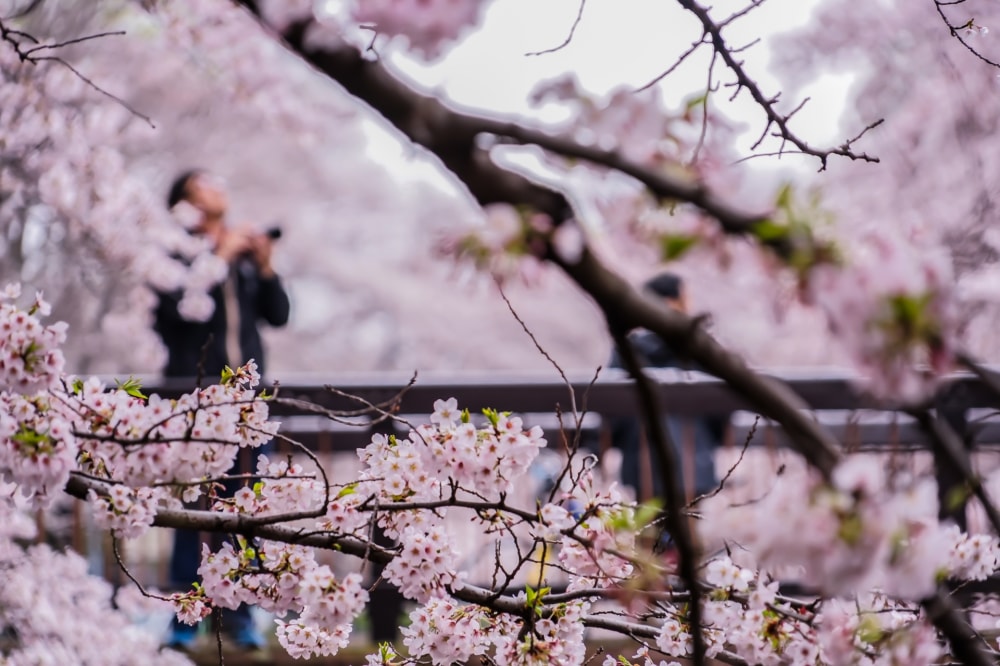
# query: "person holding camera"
[[250, 293]]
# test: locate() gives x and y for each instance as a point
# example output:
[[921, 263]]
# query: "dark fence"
[[833, 397]]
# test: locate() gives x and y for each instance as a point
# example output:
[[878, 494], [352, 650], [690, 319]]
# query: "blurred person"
[[628, 434], [251, 292]]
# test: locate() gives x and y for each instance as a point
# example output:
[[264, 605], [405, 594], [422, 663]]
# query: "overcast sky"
[[616, 43]]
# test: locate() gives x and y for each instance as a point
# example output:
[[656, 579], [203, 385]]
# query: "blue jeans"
[[185, 558], [678, 429]]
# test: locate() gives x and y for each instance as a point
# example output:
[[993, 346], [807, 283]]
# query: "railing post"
[[952, 495], [386, 602]]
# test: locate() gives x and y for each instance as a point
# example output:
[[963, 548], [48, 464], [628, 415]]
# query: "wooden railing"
[[854, 418]]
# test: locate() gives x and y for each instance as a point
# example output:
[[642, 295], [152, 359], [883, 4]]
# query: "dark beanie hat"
[[666, 285]]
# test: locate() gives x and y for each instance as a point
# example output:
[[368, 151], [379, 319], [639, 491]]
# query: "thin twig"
[[722, 483], [677, 63], [125, 570], [78, 40], [569, 37], [11, 36], [542, 351], [956, 30]]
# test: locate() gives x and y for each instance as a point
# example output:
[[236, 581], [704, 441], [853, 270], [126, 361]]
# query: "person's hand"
[[233, 243], [260, 247]]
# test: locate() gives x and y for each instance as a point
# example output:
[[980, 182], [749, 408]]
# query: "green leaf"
[[957, 496], [465, 418], [851, 529], [347, 490], [30, 437], [769, 231], [869, 630], [77, 386], [131, 386], [492, 416], [386, 653], [648, 511], [784, 198], [227, 374], [695, 102], [674, 246]]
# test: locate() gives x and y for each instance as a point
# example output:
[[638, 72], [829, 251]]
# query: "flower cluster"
[[30, 358], [557, 640], [972, 556], [330, 609], [139, 440], [304, 641], [876, 632], [893, 309], [426, 564], [596, 552], [284, 488], [37, 447], [633, 123], [266, 573], [447, 632], [484, 461], [426, 24], [127, 512], [845, 537], [643, 654], [52, 606], [510, 243]]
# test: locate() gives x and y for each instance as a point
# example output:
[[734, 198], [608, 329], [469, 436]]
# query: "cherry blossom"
[[868, 542]]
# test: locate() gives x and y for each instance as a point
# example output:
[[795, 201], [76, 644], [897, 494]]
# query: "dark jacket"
[[708, 432], [189, 342]]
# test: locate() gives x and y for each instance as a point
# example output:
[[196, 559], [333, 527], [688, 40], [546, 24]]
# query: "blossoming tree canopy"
[[879, 562]]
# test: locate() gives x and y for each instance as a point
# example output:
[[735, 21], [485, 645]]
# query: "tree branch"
[[677, 525], [767, 104]]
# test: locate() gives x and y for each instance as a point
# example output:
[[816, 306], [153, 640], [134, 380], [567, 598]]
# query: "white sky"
[[617, 43]]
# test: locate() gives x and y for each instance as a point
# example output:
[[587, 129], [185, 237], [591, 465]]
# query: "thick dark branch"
[[967, 647], [249, 526], [241, 523], [733, 220], [947, 444], [627, 308], [678, 526]]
